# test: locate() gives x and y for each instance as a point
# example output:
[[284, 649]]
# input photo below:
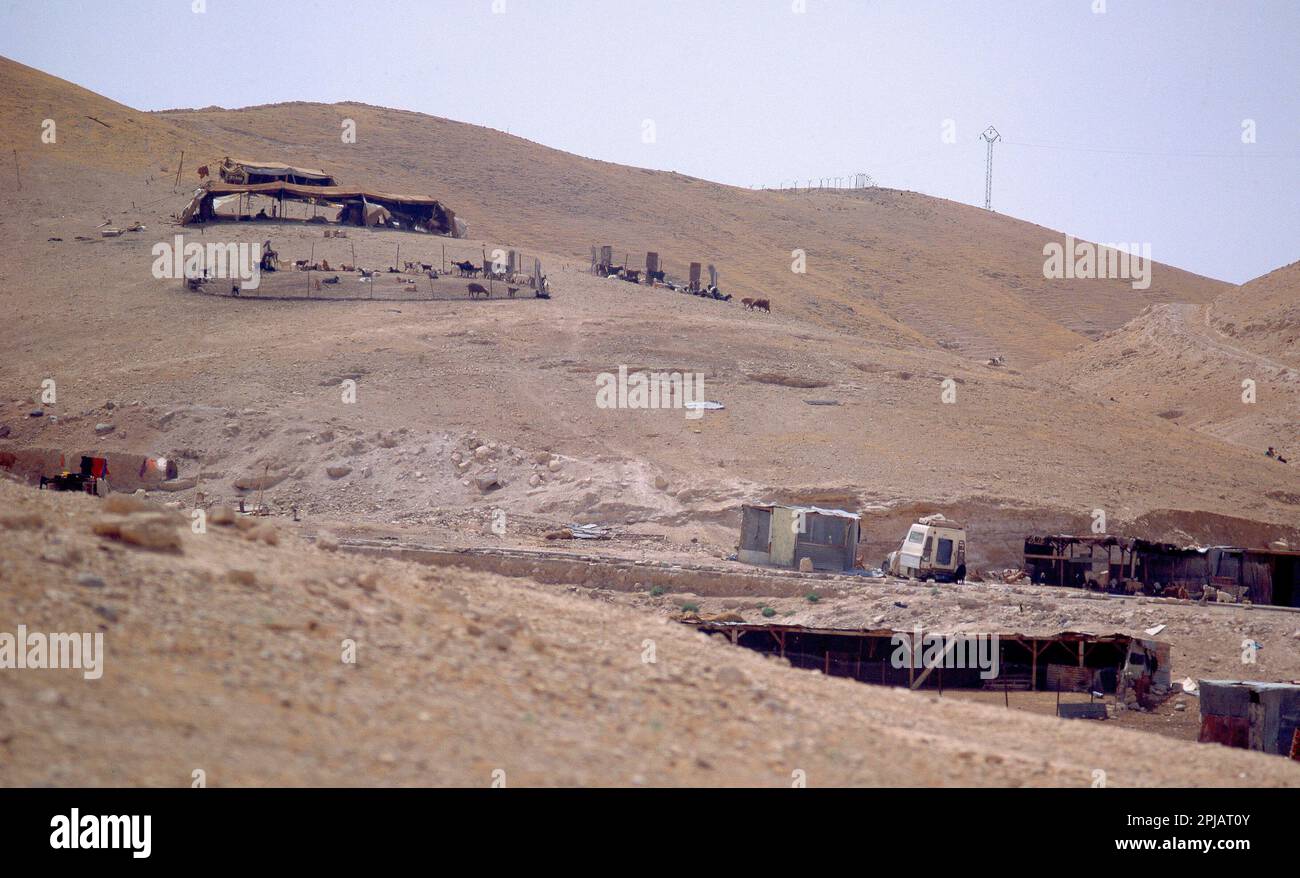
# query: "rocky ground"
[[257, 659]]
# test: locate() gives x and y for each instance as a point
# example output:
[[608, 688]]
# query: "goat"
[[748, 303], [467, 268], [476, 290], [762, 305], [510, 291]]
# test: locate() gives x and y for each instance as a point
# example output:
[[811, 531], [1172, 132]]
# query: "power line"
[[1225, 155]]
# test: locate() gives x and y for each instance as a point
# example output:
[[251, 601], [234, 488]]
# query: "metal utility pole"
[[992, 136]]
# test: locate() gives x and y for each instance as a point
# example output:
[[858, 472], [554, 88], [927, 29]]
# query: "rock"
[[128, 504], [176, 485], [805, 565], [242, 577], [221, 515], [265, 532], [661, 483], [327, 543], [1180, 706], [534, 480], [482, 453], [150, 535], [487, 482], [554, 466], [260, 480], [103, 429], [4, 430], [337, 472], [89, 580]]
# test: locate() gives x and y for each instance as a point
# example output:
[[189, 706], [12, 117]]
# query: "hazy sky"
[[1124, 125]]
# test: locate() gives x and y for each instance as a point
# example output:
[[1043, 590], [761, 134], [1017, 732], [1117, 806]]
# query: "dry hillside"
[[233, 387]]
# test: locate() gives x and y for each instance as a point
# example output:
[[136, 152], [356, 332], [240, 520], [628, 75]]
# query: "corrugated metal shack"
[[1262, 576], [1250, 715], [781, 536]]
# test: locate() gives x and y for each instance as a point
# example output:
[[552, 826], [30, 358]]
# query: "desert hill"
[[903, 293], [882, 263], [1264, 314], [1188, 363]]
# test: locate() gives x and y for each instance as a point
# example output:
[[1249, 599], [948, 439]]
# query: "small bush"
[[656, 591], [812, 597], [768, 612], [690, 608]]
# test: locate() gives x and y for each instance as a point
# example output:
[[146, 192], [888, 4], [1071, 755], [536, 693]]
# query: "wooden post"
[[1033, 667], [179, 165], [17, 176], [444, 258]]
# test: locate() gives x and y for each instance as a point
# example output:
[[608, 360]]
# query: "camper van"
[[934, 548]]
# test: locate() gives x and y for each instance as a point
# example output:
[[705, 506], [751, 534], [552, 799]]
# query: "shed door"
[[755, 529]]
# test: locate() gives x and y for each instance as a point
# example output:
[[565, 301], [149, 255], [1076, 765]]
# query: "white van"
[[933, 549]]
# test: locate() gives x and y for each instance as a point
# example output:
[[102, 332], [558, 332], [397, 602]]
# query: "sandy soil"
[[243, 392], [225, 654]]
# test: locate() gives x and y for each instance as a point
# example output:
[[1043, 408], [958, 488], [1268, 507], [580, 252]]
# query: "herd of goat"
[[657, 278], [468, 269], [463, 269]]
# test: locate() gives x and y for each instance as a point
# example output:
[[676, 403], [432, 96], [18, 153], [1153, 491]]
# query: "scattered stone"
[[89, 580], [337, 472], [103, 429]]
